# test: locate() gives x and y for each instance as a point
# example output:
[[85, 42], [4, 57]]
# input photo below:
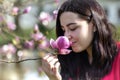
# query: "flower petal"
[[64, 51], [62, 42], [53, 43]]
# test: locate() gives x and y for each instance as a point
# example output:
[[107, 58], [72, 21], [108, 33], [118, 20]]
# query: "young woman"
[[95, 54]]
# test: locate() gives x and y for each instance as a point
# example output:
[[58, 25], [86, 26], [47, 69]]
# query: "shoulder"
[[118, 44], [115, 71]]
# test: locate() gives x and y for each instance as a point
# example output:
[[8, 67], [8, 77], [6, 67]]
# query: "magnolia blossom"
[[37, 35], [61, 44], [44, 44], [36, 28], [45, 18], [11, 25], [15, 10], [27, 9], [9, 49], [29, 44], [55, 12], [57, 1], [1, 18]]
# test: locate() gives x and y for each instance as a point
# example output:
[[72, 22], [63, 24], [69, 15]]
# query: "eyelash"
[[73, 29]]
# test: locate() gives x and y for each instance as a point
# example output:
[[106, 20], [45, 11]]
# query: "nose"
[[67, 34]]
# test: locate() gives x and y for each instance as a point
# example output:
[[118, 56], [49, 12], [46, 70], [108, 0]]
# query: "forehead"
[[68, 14], [69, 17]]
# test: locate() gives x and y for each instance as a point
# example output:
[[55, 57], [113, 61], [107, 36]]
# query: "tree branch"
[[19, 61]]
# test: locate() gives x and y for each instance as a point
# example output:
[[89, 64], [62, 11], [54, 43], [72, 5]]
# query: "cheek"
[[85, 38], [76, 35], [87, 33]]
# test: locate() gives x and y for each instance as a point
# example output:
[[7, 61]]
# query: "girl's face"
[[78, 31]]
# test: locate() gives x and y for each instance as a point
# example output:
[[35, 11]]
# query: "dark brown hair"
[[104, 47]]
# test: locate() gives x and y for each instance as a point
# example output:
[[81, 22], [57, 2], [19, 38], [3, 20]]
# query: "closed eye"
[[73, 29]]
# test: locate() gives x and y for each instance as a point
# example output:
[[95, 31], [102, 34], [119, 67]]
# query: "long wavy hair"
[[104, 47]]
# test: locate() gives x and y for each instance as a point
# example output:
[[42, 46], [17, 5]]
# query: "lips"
[[73, 43]]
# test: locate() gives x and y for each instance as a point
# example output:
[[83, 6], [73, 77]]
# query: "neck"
[[89, 51]]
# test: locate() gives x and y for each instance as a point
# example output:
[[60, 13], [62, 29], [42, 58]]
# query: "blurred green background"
[[30, 70]]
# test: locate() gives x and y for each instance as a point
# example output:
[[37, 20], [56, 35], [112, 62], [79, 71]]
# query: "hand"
[[50, 65]]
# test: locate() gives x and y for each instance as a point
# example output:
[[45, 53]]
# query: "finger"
[[53, 62], [45, 57], [45, 66], [56, 68], [49, 62], [57, 65], [51, 58]]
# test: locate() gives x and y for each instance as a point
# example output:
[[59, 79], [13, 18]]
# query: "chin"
[[77, 50]]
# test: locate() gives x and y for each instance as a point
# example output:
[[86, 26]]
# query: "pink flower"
[[37, 36], [45, 18], [57, 1], [29, 44], [27, 10], [61, 44], [36, 28], [1, 18], [55, 12], [9, 49], [11, 25], [15, 10], [44, 44]]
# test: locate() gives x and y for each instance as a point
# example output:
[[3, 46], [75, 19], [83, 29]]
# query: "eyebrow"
[[70, 24]]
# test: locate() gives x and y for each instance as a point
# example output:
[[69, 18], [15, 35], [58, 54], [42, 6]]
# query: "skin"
[[80, 34], [50, 66]]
